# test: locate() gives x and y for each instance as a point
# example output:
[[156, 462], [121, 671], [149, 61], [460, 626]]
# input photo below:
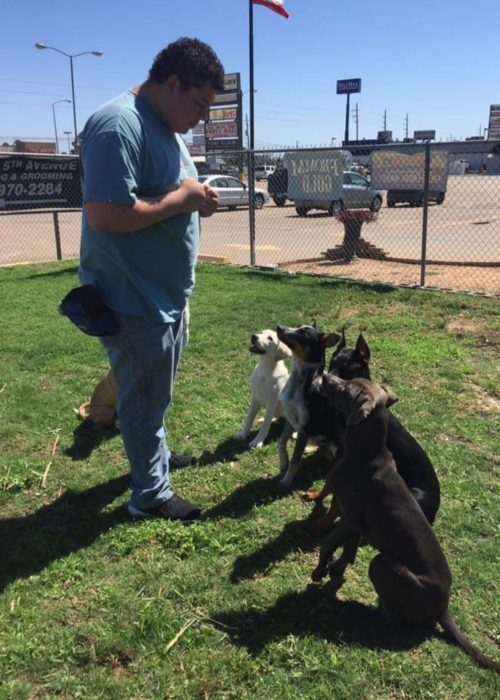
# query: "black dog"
[[410, 573], [412, 463], [306, 412]]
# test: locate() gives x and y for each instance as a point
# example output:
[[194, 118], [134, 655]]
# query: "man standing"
[[140, 240]]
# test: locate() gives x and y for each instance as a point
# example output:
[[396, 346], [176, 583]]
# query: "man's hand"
[[191, 195], [210, 203]]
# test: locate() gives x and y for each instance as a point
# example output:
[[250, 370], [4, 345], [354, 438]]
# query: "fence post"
[[251, 204], [55, 216], [423, 254]]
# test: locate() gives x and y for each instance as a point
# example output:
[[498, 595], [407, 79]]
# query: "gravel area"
[[460, 278]]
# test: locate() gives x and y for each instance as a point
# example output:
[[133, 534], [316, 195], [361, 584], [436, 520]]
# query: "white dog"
[[268, 379]]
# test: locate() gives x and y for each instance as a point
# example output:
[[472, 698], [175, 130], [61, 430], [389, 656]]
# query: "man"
[[140, 239]]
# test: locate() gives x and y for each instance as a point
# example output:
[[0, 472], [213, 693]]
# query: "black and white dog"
[[307, 412]]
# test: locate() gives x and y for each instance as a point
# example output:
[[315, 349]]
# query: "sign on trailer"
[[314, 175], [392, 170]]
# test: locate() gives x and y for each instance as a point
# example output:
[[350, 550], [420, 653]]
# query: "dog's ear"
[[328, 340], [339, 347], [313, 323], [391, 397], [282, 351], [361, 407], [362, 348]]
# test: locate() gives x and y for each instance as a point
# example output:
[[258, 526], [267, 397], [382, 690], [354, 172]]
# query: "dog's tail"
[[83, 412], [456, 634]]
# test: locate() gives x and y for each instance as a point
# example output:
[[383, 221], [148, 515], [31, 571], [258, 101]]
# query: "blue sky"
[[436, 60]]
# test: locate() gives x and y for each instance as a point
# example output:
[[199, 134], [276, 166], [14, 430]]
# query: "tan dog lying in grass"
[[101, 409]]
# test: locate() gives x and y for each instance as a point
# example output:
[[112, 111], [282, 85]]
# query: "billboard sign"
[[231, 82], [225, 119], [494, 123], [223, 98], [217, 130], [223, 145], [346, 87], [31, 182], [393, 170], [314, 175], [218, 114], [424, 135]]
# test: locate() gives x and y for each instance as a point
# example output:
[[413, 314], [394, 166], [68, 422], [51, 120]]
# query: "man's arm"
[[116, 218]]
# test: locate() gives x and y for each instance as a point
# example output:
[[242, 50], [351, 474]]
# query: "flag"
[[274, 5]]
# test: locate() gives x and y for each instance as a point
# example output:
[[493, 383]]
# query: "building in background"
[[34, 147]]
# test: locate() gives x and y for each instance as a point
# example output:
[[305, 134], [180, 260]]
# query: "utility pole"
[[355, 114], [385, 120], [347, 113], [406, 125]]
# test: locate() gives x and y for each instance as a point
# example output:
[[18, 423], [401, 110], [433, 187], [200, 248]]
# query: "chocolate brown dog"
[[101, 409], [412, 462], [410, 573]]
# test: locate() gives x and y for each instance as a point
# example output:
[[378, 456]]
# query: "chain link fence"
[[404, 214]]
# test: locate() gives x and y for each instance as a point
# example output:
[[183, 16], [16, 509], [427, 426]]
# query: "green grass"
[[89, 600]]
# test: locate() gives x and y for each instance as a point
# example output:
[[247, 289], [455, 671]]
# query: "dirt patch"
[[460, 326], [484, 337], [460, 278], [486, 402]]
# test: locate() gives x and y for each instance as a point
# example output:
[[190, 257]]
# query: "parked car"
[[357, 193], [232, 192], [262, 172], [415, 198], [277, 185]]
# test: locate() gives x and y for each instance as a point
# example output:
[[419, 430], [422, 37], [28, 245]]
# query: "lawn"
[[94, 605]]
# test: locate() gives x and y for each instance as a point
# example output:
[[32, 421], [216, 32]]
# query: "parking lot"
[[464, 229]]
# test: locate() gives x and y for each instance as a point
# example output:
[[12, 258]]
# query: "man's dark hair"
[[194, 62]]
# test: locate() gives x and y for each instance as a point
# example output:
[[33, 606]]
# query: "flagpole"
[[250, 46], [251, 141]]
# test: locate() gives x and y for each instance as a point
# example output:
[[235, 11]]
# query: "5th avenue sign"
[[40, 182]]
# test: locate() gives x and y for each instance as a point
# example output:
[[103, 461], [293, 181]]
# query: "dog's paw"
[[285, 484], [242, 435], [253, 444], [318, 574], [336, 574], [311, 496]]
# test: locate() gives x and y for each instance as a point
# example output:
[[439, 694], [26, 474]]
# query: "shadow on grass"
[[266, 489], [230, 449], [283, 277], [295, 536], [73, 521], [86, 438], [73, 270], [316, 611]]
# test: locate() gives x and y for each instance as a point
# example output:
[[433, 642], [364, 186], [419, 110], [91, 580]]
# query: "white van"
[[262, 172]]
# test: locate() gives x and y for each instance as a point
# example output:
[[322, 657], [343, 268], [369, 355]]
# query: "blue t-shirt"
[[127, 151]]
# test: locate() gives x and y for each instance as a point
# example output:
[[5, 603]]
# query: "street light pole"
[[41, 46], [55, 124], [74, 106]]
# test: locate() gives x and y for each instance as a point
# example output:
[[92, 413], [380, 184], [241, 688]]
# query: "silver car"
[[357, 193], [232, 192]]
